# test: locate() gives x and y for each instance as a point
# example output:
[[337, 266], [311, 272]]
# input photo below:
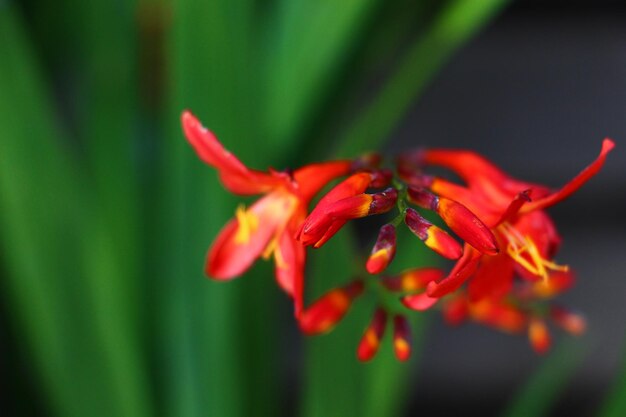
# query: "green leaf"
[[49, 235]]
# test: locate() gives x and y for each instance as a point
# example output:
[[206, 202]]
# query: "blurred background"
[[106, 213]]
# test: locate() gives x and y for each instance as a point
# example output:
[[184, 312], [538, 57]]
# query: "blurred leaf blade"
[[211, 51], [544, 386], [52, 298], [308, 43]]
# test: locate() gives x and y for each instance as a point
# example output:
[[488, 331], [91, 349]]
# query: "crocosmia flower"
[[268, 227], [514, 211], [494, 227]]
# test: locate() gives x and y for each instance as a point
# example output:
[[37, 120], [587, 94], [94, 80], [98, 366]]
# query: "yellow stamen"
[[520, 248], [248, 223], [271, 248]]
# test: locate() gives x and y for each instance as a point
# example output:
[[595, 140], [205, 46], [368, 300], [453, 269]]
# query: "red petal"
[[290, 258], [229, 256], [572, 186], [310, 179], [498, 315], [383, 251], [235, 176], [482, 176], [514, 207], [463, 269], [455, 310], [419, 302], [493, 278]]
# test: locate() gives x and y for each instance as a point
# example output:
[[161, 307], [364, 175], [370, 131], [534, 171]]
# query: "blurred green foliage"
[[106, 213]]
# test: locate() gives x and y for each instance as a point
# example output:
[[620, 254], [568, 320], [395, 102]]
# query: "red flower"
[[268, 226], [514, 211]]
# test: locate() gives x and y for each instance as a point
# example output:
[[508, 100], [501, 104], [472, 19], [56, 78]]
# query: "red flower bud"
[[432, 236], [412, 280], [459, 218], [539, 335], [568, 320], [384, 250], [401, 338], [328, 310], [371, 338]]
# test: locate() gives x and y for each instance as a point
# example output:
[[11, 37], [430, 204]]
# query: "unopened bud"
[[432, 236], [328, 310], [373, 334], [401, 338], [539, 335], [384, 250]]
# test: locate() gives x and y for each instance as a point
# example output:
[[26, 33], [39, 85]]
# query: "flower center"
[[523, 250]]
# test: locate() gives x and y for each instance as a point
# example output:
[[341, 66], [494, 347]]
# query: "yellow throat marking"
[[248, 223], [524, 251]]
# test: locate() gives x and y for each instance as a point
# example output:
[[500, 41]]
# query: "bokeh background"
[[106, 213]]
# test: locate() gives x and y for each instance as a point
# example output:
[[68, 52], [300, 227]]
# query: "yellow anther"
[[524, 251], [248, 223], [269, 249]]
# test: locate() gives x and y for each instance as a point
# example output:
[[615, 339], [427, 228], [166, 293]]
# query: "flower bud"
[[371, 338], [384, 250], [432, 236], [412, 280], [328, 310], [568, 320], [459, 218], [401, 338], [539, 335], [498, 315]]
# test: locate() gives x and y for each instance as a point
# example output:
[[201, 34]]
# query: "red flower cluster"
[[501, 221]]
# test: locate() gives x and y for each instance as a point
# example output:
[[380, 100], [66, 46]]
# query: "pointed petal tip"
[[419, 302], [607, 145]]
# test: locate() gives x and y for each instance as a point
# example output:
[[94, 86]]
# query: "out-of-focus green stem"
[[615, 403], [543, 387]]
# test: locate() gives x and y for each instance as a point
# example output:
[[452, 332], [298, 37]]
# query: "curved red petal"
[[289, 257], [310, 179], [463, 269], [577, 182], [482, 176], [235, 176]]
